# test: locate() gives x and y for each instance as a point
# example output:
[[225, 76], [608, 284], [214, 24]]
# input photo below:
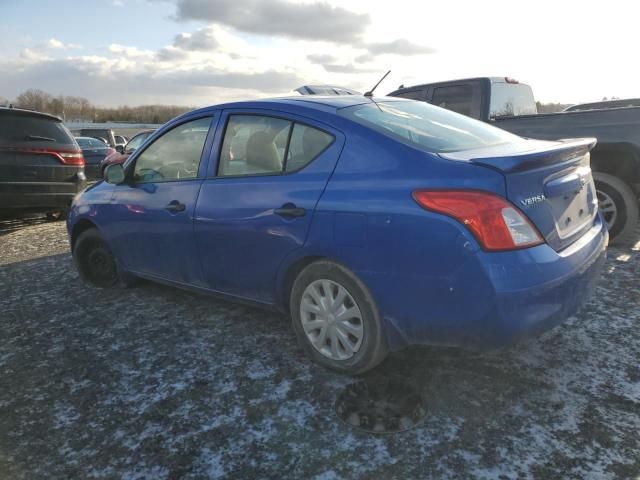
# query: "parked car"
[[123, 152], [120, 140], [510, 105], [104, 134], [94, 152], [376, 223], [41, 165]]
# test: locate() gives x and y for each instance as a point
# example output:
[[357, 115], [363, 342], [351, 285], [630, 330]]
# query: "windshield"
[[427, 127], [511, 99]]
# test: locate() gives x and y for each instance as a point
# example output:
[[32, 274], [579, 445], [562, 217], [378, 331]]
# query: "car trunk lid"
[[550, 182]]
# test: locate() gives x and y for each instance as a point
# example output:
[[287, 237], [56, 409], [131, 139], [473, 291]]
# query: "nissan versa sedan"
[[374, 222]]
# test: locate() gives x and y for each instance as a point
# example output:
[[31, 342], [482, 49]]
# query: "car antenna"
[[370, 92]]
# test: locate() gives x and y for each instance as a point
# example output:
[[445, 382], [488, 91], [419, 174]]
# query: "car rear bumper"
[[24, 197], [513, 295]]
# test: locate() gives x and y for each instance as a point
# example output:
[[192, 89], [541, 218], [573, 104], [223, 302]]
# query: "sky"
[[203, 52]]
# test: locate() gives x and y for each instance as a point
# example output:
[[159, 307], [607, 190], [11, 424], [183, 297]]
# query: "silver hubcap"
[[607, 207], [331, 319]]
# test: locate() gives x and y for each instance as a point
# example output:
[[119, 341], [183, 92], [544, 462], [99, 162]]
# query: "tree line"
[[71, 108]]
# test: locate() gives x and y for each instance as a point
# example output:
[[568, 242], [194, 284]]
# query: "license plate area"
[[573, 202]]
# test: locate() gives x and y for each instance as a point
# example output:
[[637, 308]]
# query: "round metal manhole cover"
[[380, 406]]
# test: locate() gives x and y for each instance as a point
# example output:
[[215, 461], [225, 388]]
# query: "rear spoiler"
[[325, 90], [540, 153]]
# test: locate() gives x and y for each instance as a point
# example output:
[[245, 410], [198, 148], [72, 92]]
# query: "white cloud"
[[250, 48], [202, 39], [129, 52], [55, 44], [316, 20]]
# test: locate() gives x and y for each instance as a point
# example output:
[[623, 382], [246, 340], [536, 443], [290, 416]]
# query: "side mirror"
[[120, 148], [114, 174]]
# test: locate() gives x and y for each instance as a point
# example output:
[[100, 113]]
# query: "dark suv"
[[41, 165]]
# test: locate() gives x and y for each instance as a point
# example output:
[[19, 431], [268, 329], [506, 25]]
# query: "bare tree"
[[79, 108], [33, 99]]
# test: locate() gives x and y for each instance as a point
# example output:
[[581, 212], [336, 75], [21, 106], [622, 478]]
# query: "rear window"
[[26, 128], [426, 127], [90, 143], [95, 132], [511, 99]]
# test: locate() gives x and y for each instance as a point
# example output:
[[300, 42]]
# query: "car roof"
[[330, 103], [28, 113], [403, 88]]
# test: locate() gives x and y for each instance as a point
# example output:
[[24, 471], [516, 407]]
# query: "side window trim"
[[283, 172], [286, 148], [130, 163]]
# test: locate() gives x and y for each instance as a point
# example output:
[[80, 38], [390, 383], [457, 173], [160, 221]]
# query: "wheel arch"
[[621, 160], [81, 226], [288, 275]]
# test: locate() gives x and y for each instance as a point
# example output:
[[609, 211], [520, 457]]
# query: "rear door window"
[[262, 145], [253, 145], [306, 144]]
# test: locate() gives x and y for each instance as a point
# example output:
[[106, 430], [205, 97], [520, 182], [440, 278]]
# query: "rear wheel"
[[618, 205], [95, 263], [336, 320]]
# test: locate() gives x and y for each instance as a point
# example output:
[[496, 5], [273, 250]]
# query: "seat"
[[262, 153]]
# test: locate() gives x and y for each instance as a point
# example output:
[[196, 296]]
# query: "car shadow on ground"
[[10, 225]]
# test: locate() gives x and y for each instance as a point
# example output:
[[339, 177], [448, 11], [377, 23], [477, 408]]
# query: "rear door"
[[550, 182], [153, 211], [258, 201]]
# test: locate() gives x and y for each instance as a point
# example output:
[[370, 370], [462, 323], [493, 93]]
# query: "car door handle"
[[175, 206], [289, 210]]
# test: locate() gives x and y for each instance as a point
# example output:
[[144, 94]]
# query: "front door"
[[257, 205], [154, 209]]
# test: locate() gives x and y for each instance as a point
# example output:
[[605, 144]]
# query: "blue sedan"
[[375, 223]]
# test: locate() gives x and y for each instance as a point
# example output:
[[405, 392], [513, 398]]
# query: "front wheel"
[[95, 262], [336, 319], [618, 205]]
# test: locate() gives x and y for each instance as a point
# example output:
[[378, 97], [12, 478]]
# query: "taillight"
[[496, 223], [70, 158]]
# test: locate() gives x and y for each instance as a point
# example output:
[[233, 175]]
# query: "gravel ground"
[[154, 382]]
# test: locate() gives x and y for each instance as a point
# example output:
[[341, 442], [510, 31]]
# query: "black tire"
[[95, 263], [626, 205], [373, 348]]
